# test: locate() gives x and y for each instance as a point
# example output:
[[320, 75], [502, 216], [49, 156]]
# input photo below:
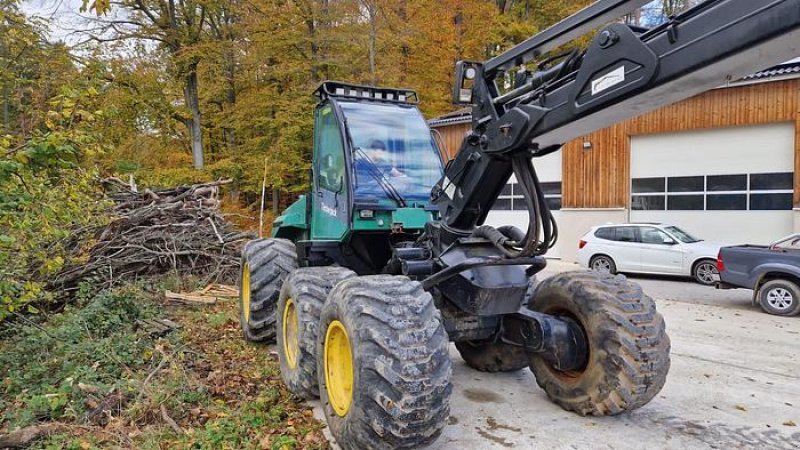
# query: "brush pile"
[[179, 230]]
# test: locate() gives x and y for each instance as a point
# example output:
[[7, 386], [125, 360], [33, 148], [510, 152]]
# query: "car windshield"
[[682, 235], [392, 151]]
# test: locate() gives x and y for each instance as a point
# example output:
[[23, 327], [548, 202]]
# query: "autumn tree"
[[176, 26]]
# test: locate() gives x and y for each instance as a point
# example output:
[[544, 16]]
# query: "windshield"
[[682, 236], [392, 151]]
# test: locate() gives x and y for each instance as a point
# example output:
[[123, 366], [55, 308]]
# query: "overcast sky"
[[64, 17]]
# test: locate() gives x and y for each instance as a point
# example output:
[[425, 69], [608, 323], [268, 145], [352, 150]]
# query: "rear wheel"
[[265, 264], [301, 300], [780, 297], [705, 272], [384, 369], [628, 346], [603, 264]]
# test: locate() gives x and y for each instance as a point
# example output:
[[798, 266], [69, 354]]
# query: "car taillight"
[[581, 244], [720, 263]]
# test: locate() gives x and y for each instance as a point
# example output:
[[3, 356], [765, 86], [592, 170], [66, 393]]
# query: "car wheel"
[[603, 264], [780, 297], [705, 271]]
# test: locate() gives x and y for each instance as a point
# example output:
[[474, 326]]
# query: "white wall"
[[726, 227]]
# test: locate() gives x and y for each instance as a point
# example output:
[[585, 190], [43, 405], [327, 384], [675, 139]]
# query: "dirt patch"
[[478, 395]]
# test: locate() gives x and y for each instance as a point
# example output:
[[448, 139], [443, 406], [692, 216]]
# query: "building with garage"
[[720, 164]]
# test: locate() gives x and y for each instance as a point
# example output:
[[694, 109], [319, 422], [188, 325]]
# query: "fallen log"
[[24, 437], [191, 298]]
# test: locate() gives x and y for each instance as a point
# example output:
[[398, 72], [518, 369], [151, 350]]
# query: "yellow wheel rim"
[[291, 342], [338, 368], [245, 288]]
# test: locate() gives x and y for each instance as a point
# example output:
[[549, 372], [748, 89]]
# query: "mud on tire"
[[269, 261], [628, 345], [306, 289], [401, 367]]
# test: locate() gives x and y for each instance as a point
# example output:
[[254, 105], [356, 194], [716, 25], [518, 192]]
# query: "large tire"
[[383, 337], [779, 297], [488, 356], [628, 345], [301, 300], [265, 264]]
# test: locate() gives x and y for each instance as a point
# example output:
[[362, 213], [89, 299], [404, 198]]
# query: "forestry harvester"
[[370, 275]]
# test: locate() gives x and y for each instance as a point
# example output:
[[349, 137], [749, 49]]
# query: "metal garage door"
[[509, 209], [731, 185]]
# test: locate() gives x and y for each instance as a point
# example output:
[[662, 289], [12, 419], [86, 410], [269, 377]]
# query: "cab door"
[[330, 193]]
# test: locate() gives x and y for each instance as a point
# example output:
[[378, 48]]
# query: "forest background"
[[167, 92]]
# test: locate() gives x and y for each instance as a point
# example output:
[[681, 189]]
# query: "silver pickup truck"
[[772, 272]]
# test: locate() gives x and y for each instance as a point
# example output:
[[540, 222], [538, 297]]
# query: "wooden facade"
[[599, 177]]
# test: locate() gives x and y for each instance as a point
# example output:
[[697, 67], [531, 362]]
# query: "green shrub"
[[93, 344]]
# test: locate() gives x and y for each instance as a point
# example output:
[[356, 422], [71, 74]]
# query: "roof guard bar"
[[338, 89]]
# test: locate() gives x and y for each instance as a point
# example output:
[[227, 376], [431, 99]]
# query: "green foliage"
[[47, 193], [93, 344]]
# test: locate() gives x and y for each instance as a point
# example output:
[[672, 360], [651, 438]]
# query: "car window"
[[606, 233], [682, 235], [650, 235], [625, 234], [792, 243]]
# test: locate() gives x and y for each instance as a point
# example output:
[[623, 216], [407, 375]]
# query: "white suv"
[[648, 248]]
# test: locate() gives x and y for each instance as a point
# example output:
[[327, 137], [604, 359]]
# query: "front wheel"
[[780, 297], [628, 345], [705, 272], [383, 364], [301, 300]]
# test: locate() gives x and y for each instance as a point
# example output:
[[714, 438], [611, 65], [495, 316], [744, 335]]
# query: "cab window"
[[330, 170]]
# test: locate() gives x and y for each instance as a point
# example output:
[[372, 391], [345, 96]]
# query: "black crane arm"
[[624, 72]]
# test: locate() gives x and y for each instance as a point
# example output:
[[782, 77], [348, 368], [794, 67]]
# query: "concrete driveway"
[[734, 383]]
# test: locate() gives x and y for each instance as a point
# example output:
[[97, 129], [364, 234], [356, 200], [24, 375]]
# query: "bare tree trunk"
[[275, 201], [6, 106], [192, 97], [6, 109], [230, 96], [372, 10]]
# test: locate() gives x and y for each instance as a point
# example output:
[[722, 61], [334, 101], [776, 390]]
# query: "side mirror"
[[669, 241]]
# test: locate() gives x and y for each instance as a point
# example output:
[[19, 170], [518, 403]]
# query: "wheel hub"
[[246, 291], [291, 342], [706, 272], [338, 368], [602, 265], [780, 298]]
